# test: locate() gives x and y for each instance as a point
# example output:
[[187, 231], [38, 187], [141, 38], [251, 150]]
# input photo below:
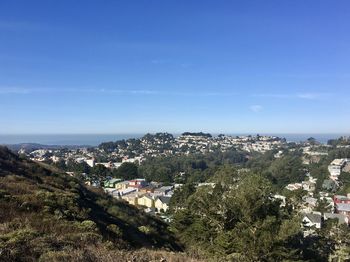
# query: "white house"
[[90, 162], [162, 203], [336, 167], [312, 220]]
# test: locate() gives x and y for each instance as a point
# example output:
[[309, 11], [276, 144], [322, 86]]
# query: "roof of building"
[[115, 180], [138, 180], [310, 200], [328, 183], [343, 207], [164, 199], [340, 197], [342, 218], [127, 191], [164, 188], [123, 182], [314, 218], [147, 196]]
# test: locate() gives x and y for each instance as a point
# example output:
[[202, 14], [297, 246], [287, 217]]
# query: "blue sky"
[[140, 66]]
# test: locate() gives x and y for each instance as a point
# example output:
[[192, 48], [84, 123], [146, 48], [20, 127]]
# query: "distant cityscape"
[[155, 196]]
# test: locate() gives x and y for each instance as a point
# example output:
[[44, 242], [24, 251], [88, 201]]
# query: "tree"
[[312, 141], [99, 173], [127, 171], [285, 170], [238, 221]]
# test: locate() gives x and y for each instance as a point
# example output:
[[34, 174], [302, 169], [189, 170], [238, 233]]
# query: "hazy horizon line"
[[147, 132]]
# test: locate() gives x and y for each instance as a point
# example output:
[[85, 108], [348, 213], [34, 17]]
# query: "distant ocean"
[[96, 139]]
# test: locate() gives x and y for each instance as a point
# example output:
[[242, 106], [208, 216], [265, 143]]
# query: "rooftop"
[[343, 207]]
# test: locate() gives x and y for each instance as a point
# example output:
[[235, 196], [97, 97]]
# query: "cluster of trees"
[[167, 169], [237, 220], [196, 134], [188, 168], [280, 171]]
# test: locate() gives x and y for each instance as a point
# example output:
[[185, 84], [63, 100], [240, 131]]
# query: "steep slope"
[[50, 216]]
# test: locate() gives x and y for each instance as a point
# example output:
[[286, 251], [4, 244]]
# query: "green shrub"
[[18, 236], [115, 229], [145, 229], [88, 225]]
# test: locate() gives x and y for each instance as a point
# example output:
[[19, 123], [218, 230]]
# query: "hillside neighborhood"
[[154, 196]]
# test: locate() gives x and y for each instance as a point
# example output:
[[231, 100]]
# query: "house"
[[294, 186], [131, 198], [339, 199], [343, 209], [312, 220], [206, 184], [164, 190], [162, 203], [138, 183], [342, 219], [146, 200], [148, 189], [112, 182], [106, 165], [330, 185], [335, 168], [309, 186], [310, 201], [122, 185], [282, 199], [123, 192], [117, 165], [90, 162]]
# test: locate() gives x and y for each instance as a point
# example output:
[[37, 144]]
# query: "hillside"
[[52, 217]]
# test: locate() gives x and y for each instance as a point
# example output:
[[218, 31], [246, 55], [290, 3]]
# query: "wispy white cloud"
[[140, 92], [314, 96], [25, 91], [19, 90], [256, 108], [307, 96], [15, 90], [273, 95]]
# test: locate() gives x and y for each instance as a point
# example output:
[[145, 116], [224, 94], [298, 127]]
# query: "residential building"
[[312, 220], [335, 168], [162, 203], [342, 219], [146, 200], [164, 190], [339, 199], [138, 183], [343, 209], [112, 182]]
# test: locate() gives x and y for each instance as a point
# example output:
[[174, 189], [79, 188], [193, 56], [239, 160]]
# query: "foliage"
[[238, 221], [196, 134], [280, 171], [188, 168], [126, 171]]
